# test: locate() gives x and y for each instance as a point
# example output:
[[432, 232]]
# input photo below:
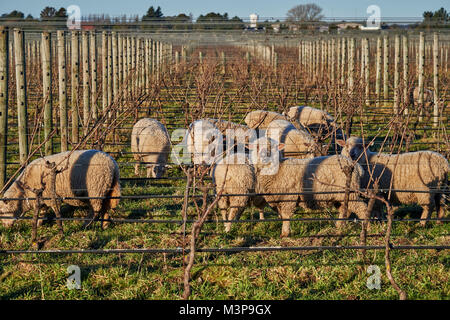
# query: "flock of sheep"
[[275, 159]]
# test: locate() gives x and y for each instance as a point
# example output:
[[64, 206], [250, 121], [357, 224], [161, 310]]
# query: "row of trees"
[[46, 14]]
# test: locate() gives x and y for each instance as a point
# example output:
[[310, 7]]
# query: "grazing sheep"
[[150, 143], [260, 119], [291, 184], [422, 171], [232, 175], [316, 121], [298, 143], [204, 142], [84, 173], [428, 97]]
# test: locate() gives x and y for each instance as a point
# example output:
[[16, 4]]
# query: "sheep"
[[208, 140], [318, 122], [150, 143], [82, 173], [421, 170], [284, 183], [232, 175], [204, 142], [303, 176], [260, 119], [428, 97], [298, 143]]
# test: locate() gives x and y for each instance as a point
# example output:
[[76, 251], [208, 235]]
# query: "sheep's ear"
[[340, 142], [281, 146], [369, 144]]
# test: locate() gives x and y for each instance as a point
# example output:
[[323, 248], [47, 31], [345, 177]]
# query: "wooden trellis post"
[[386, 69], [378, 72], [104, 72], [19, 59], [47, 89], [62, 86], [75, 85], [93, 54], [86, 91], [4, 77], [436, 79], [421, 72], [405, 73], [396, 72]]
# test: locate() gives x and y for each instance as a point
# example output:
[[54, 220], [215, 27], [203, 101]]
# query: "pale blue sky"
[[241, 8]]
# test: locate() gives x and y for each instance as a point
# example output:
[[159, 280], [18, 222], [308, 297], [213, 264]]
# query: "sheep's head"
[[265, 155], [11, 208], [204, 142], [156, 171], [353, 148]]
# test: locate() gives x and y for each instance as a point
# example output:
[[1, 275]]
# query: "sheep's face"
[[353, 148], [156, 171], [8, 208], [265, 155]]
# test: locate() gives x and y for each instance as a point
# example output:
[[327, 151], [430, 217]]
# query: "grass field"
[[342, 274]]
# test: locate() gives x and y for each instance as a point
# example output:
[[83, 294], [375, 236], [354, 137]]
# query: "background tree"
[[61, 13], [14, 15], [305, 12], [48, 12]]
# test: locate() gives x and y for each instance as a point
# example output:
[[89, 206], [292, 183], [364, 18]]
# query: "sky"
[[242, 8]]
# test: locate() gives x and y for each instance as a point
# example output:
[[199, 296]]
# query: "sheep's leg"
[[427, 209], [285, 213], [136, 169], [261, 214], [362, 211], [341, 223], [234, 214], [440, 206], [105, 222]]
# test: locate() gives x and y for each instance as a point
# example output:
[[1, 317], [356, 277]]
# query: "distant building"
[[276, 27], [254, 20], [324, 28], [349, 25]]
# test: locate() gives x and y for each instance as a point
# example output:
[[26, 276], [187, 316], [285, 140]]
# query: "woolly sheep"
[[428, 97], [316, 121], [260, 119], [299, 176], [298, 143], [422, 170], [150, 143], [204, 142], [234, 176], [84, 173]]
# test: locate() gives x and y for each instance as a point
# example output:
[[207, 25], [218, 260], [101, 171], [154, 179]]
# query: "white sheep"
[[298, 143], [83, 173], [422, 171], [235, 178], [428, 97], [260, 119], [150, 143], [316, 121], [204, 142]]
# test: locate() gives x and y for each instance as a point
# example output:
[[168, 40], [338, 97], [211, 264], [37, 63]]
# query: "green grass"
[[423, 274]]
